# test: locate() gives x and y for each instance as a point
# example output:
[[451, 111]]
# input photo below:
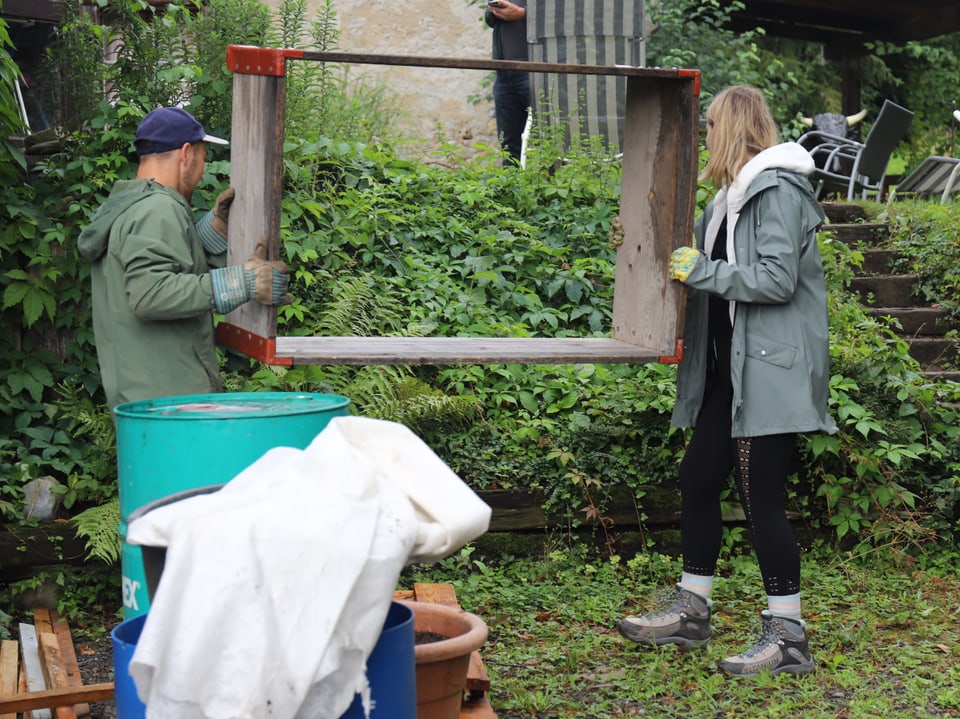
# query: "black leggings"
[[761, 465]]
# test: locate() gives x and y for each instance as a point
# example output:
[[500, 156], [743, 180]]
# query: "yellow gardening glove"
[[682, 262]]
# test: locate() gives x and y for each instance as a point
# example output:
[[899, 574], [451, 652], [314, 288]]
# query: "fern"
[[100, 527]]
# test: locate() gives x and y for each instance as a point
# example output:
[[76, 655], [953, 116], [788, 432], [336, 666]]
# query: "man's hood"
[[95, 236]]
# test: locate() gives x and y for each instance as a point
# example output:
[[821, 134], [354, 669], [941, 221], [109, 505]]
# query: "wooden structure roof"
[[851, 21], [845, 27]]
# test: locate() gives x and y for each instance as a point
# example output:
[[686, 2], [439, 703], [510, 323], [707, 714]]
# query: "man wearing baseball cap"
[[157, 275]]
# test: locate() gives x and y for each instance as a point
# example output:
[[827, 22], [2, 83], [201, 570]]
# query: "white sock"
[[697, 583], [787, 605]]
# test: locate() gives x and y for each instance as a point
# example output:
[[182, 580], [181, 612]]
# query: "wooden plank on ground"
[[67, 652], [436, 594], [9, 671], [53, 670], [22, 689], [32, 670], [57, 697]]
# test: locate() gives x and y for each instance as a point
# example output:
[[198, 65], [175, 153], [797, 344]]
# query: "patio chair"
[[936, 175], [858, 167]]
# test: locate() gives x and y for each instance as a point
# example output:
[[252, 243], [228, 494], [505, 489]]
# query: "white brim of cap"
[[215, 140]]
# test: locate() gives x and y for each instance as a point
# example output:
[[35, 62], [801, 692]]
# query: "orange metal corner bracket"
[[246, 342], [251, 60], [673, 359], [695, 74]]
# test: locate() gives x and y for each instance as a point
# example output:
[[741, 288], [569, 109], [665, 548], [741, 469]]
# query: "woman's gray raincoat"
[[778, 300]]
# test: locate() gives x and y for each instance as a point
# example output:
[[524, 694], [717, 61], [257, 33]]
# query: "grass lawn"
[[884, 634]]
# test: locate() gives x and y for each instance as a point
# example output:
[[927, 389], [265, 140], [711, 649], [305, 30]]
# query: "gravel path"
[[95, 659]]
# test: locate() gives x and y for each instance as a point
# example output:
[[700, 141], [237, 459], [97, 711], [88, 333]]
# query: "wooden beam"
[[66, 696], [659, 180], [256, 173], [9, 672], [460, 350]]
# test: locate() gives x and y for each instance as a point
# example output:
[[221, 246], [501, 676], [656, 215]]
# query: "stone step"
[[935, 353], [877, 261], [887, 290], [860, 233], [843, 211], [926, 321], [951, 375]]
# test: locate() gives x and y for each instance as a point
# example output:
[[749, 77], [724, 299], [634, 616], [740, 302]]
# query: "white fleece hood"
[[789, 156]]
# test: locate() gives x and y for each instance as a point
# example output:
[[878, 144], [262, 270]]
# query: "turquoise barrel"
[[172, 444]]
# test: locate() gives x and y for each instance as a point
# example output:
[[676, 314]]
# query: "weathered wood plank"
[[436, 594], [9, 671], [69, 656], [658, 191], [460, 350], [53, 670], [67, 696], [256, 174], [32, 670], [49, 621], [460, 63]]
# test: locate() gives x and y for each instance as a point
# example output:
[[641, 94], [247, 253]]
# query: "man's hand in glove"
[[212, 227], [257, 279], [266, 280], [682, 262]]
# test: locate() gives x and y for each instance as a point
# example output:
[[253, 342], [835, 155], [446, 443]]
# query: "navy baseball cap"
[[168, 128]]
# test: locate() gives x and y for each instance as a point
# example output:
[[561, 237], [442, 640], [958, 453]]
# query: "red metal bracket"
[[251, 60], [673, 359], [245, 342], [695, 74]]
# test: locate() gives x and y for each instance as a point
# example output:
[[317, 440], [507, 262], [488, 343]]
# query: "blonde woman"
[[754, 374]]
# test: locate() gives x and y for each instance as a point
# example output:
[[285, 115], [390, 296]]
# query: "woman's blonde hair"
[[742, 127]]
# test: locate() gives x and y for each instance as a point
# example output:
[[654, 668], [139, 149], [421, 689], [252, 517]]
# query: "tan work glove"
[[212, 227], [257, 279]]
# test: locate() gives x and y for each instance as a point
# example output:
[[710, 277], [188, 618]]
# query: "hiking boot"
[[781, 647], [684, 620]]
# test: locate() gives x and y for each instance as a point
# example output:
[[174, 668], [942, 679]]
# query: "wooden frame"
[[658, 186]]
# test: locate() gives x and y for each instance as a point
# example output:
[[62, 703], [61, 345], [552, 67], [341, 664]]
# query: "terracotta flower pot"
[[441, 669]]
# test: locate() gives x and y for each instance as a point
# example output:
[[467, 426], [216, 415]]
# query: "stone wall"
[[429, 97]]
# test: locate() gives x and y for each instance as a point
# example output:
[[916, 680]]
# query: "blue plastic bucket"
[[124, 638], [171, 444], [391, 670]]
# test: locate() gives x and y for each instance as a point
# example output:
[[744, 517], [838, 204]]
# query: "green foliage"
[[99, 525], [922, 77], [10, 120], [927, 235]]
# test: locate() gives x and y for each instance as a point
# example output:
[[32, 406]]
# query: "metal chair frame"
[[859, 167]]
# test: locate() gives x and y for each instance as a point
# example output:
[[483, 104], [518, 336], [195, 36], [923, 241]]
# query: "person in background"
[[157, 275], [511, 89], [754, 374]]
